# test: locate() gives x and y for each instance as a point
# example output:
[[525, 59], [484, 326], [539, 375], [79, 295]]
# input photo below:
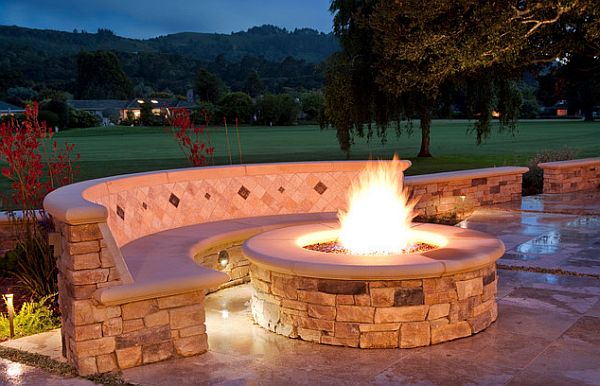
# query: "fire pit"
[[374, 280]]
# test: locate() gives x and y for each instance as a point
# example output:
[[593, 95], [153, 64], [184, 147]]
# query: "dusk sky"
[[149, 18]]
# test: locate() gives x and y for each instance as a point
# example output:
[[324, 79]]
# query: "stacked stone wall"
[[462, 195], [98, 338], [375, 314], [571, 176]]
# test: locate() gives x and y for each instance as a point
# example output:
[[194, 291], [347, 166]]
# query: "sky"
[[150, 18]]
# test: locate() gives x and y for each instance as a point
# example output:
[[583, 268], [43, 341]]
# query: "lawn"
[[118, 150]]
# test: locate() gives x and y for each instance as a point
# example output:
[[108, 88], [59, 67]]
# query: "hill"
[[274, 43], [282, 59]]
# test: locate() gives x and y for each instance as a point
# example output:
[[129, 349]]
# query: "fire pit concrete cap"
[[460, 250]]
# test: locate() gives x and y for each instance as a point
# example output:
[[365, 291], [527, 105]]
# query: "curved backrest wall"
[[143, 204], [140, 205]]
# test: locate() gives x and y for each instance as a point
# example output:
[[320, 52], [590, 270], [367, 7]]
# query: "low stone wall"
[[461, 191], [375, 314], [98, 338], [571, 176]]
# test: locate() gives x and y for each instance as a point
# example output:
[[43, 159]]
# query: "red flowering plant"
[[35, 164], [193, 140]]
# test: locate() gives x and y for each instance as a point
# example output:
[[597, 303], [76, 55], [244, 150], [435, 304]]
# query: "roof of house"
[[157, 103], [185, 104], [7, 107], [97, 104]]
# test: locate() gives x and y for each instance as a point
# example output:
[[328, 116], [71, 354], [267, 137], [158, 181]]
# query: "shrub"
[[51, 119], [193, 140], [533, 180], [34, 265], [81, 118], [313, 104], [32, 318], [281, 109], [236, 105]]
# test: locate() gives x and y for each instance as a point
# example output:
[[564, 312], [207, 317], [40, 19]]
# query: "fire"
[[380, 211]]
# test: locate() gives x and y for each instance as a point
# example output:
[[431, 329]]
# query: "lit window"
[[154, 101], [140, 101]]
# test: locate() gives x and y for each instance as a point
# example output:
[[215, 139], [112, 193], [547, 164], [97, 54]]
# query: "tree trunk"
[[425, 116]]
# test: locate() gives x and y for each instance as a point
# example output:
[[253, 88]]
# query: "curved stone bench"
[[138, 252], [145, 257]]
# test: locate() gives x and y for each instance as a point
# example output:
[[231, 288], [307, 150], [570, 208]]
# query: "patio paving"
[[547, 332]]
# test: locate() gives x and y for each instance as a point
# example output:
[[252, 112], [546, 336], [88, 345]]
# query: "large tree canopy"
[[408, 52], [100, 76]]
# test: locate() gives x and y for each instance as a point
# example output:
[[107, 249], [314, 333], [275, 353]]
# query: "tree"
[[289, 108], [236, 105], [209, 87], [143, 91], [100, 76], [253, 86], [21, 93], [416, 49], [281, 109], [147, 117], [312, 105], [581, 79]]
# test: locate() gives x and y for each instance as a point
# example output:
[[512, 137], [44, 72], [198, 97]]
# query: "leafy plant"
[[533, 180], [193, 140], [33, 318], [34, 265], [35, 165]]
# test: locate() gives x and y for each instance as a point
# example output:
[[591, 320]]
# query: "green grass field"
[[119, 150]]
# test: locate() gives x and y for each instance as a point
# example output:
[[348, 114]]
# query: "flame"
[[380, 211]]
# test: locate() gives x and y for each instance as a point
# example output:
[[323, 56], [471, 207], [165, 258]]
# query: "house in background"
[[107, 109], [559, 110], [8, 109], [160, 106], [116, 110]]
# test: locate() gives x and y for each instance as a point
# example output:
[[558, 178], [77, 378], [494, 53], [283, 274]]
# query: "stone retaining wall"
[[98, 338], [375, 314], [571, 176]]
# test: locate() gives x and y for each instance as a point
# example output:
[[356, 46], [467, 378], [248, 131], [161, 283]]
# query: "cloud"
[[150, 18]]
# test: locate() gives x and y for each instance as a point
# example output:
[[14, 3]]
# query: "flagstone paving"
[[547, 332]]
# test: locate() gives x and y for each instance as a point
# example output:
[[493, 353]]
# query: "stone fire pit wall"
[[375, 314], [96, 218], [571, 176]]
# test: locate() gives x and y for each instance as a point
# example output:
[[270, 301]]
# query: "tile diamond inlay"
[[244, 192], [281, 189], [320, 187], [174, 200], [120, 212], [207, 196], [144, 205]]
